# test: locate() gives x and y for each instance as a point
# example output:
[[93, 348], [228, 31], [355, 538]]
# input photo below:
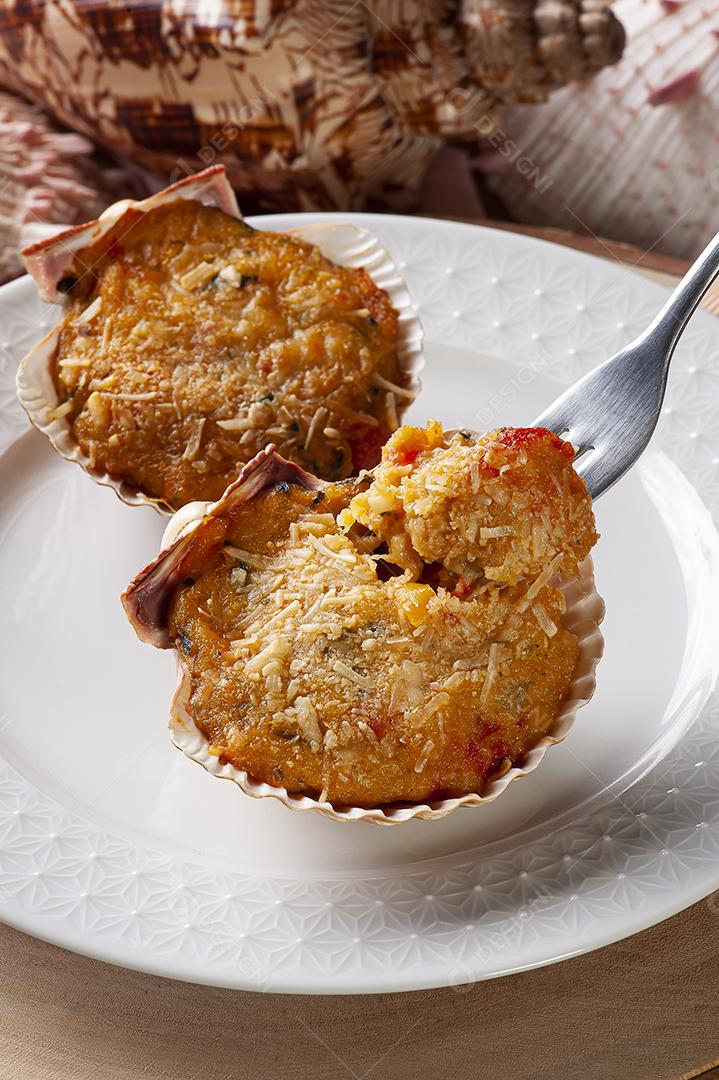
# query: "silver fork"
[[611, 413]]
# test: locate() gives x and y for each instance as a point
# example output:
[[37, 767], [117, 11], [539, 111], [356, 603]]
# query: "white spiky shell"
[[634, 155]]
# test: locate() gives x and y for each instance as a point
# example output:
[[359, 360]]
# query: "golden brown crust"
[[499, 508], [191, 340], [310, 670]]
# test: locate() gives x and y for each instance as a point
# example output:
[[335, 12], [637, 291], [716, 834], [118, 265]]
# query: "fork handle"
[[666, 328]]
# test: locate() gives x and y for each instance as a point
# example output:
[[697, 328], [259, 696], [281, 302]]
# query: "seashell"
[[48, 263], [309, 103], [633, 156], [48, 179], [146, 602]]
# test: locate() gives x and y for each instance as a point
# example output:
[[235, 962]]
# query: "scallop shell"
[[632, 155], [49, 179], [146, 603], [310, 103], [49, 261]]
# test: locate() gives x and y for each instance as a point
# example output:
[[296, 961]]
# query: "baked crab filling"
[[190, 340], [337, 647]]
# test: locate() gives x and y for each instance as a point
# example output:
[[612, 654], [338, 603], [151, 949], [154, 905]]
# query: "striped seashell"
[[635, 155], [309, 103], [48, 178]]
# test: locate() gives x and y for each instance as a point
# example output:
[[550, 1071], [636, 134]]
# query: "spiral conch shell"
[[309, 103], [634, 155]]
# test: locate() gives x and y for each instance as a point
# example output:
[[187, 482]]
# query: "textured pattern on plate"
[[458, 917]]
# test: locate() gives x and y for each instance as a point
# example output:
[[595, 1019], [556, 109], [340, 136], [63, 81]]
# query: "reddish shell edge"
[[147, 597], [47, 261]]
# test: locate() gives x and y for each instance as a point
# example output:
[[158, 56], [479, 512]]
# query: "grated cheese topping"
[[502, 508], [314, 670], [194, 316]]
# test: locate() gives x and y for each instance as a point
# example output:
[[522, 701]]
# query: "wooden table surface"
[[644, 1009]]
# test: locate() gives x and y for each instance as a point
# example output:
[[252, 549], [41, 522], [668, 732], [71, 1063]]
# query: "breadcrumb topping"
[[194, 340], [503, 508], [322, 663]]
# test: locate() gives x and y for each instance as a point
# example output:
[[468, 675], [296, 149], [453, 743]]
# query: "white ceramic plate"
[[113, 844]]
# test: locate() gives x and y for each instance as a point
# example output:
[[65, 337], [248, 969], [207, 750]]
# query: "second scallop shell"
[[341, 242]]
